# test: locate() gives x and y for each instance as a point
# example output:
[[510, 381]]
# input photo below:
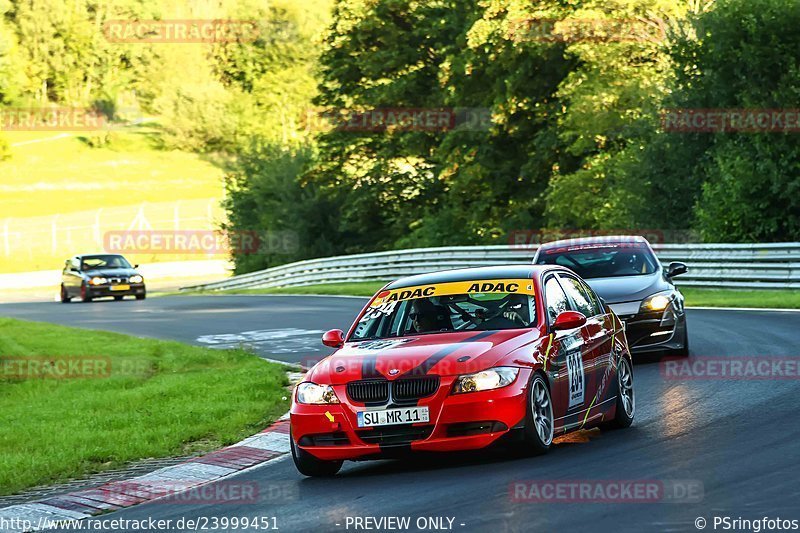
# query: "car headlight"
[[136, 279], [98, 280], [311, 393], [658, 301], [493, 378]]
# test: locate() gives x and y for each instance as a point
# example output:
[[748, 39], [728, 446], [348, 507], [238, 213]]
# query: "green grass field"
[[694, 297], [62, 173], [61, 191], [159, 399], [763, 299]]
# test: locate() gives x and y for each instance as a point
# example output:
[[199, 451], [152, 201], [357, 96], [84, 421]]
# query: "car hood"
[[110, 272], [628, 288], [443, 354]]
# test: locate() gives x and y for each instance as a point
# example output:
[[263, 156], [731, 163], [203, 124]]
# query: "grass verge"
[[359, 288], [694, 297], [741, 298], [136, 398], [61, 173]]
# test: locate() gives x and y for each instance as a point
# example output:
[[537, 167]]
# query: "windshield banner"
[[471, 287]]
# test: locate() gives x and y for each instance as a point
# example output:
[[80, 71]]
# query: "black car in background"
[[98, 275], [627, 275]]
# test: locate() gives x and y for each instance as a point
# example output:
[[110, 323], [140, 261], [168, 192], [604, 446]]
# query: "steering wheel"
[[471, 320]]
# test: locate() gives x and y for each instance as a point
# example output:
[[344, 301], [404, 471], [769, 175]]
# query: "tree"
[[11, 78], [461, 185], [264, 197], [743, 185], [611, 107]]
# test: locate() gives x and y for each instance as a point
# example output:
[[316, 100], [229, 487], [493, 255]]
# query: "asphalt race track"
[[739, 440]]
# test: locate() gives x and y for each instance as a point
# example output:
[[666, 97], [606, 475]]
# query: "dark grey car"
[[94, 276], [627, 275]]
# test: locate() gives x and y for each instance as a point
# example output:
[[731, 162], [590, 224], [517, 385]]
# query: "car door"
[[597, 334], [608, 331], [565, 361], [72, 277]]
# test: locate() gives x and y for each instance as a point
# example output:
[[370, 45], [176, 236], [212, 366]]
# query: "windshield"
[[606, 260], [449, 307], [104, 261]]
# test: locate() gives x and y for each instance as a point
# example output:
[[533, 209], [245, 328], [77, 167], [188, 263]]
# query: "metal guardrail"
[[759, 266]]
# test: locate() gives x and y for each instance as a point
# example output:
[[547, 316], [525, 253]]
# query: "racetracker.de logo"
[[530, 239], [180, 31], [55, 367], [51, 119], [391, 119], [731, 120], [592, 30], [207, 242], [184, 492], [731, 368], [607, 491]]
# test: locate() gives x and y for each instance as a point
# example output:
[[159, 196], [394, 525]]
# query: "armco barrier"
[[761, 266]]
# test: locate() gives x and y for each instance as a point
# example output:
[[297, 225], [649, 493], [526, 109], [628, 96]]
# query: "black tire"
[[310, 466], [86, 295], [65, 298], [118, 298], [622, 418], [539, 427], [140, 296]]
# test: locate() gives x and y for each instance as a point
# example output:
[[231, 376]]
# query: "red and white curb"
[[268, 445]]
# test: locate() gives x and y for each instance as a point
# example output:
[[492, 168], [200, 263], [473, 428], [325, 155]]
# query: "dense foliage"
[[569, 135], [575, 139]]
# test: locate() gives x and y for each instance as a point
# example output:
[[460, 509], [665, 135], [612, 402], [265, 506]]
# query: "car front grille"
[[395, 435], [413, 389], [117, 281], [403, 390], [368, 391], [466, 429], [338, 438]]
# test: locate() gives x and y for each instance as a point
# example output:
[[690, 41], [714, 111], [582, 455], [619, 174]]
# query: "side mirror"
[[676, 269], [135, 266], [333, 338], [569, 320]]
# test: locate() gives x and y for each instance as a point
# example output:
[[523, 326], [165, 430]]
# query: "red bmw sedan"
[[457, 360]]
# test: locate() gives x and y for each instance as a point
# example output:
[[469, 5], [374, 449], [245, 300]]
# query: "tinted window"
[[596, 303], [90, 262], [447, 313], [556, 299], [580, 296], [602, 260]]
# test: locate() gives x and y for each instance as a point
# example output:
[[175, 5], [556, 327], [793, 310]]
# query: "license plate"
[[120, 287], [389, 417]]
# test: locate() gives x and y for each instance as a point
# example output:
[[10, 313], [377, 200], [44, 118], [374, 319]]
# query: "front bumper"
[[653, 331], [457, 422], [99, 291]]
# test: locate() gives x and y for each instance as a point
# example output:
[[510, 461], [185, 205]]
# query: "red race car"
[[456, 360]]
